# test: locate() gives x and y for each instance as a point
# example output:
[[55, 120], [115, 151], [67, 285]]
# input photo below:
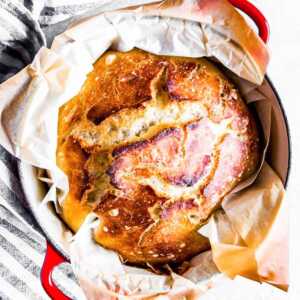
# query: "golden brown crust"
[[152, 144]]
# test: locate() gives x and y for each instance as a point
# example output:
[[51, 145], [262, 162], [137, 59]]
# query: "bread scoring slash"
[[152, 144]]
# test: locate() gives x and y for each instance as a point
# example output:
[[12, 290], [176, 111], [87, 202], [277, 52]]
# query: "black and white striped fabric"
[[25, 26], [22, 246]]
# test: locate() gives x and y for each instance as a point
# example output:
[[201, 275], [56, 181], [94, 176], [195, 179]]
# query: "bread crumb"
[[110, 59], [114, 212]]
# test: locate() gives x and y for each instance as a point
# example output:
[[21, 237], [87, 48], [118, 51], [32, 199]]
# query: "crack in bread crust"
[[152, 144]]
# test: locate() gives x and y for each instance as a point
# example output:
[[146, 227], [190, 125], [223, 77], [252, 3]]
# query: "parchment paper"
[[248, 235]]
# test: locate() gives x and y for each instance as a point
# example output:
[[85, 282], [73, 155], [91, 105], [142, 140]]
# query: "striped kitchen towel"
[[26, 26]]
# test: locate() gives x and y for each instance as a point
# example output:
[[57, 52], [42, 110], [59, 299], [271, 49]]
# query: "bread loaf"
[[152, 144]]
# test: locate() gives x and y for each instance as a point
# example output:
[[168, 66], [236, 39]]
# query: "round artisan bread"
[[152, 144]]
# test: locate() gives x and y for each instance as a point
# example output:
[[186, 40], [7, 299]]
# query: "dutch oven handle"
[[53, 258], [257, 17]]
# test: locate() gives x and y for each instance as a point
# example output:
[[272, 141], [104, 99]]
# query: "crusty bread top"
[[152, 144]]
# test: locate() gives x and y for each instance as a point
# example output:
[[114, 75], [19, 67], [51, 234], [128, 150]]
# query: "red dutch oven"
[[55, 255]]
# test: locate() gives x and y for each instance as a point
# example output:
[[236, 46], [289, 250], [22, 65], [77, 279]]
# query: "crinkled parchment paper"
[[248, 234]]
